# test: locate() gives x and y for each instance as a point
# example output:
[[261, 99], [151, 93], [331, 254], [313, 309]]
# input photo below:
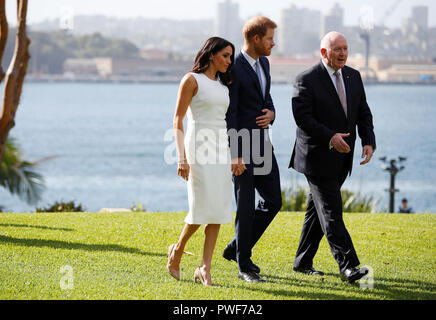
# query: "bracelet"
[[181, 161]]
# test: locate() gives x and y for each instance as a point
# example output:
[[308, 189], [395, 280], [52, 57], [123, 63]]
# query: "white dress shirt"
[[251, 61], [331, 72]]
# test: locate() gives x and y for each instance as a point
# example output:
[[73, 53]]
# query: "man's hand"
[[266, 119], [339, 144], [238, 166], [367, 152]]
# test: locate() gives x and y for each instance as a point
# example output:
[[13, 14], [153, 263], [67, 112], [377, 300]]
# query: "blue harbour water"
[[109, 143]]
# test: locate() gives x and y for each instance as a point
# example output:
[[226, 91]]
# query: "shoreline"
[[176, 81]]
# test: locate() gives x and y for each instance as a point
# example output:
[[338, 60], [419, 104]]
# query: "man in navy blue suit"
[[254, 167]]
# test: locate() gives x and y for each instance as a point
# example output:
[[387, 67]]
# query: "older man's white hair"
[[327, 39]]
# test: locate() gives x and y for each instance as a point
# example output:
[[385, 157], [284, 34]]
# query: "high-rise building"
[[298, 34], [228, 24], [415, 31], [333, 21], [420, 16]]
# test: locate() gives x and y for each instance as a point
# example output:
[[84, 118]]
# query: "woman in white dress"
[[204, 157]]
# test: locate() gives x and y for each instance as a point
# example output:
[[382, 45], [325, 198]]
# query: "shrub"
[[295, 199], [62, 207], [138, 208], [354, 202]]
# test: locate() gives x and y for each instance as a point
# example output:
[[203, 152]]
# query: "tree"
[[16, 71], [95, 45], [16, 175]]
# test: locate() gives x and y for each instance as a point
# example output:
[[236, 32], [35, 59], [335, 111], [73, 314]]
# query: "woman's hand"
[[187, 89], [183, 169]]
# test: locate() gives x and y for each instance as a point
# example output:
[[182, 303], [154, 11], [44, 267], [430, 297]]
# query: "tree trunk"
[[3, 36], [16, 71]]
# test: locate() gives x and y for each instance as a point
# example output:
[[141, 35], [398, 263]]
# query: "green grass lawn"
[[123, 256]]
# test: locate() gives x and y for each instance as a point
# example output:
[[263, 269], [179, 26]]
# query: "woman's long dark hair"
[[213, 46]]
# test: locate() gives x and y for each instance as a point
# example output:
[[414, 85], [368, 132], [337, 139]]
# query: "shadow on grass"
[[322, 288], [309, 289], [74, 245], [384, 288], [406, 288], [30, 226]]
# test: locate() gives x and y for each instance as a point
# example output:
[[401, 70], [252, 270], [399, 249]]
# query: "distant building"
[[333, 21], [298, 34], [413, 73], [284, 69], [414, 31], [147, 69], [155, 54], [228, 24], [104, 66], [80, 67], [420, 16], [397, 70], [144, 67], [432, 39]]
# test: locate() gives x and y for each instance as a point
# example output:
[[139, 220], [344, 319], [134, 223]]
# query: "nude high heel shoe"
[[173, 272], [171, 260], [199, 276]]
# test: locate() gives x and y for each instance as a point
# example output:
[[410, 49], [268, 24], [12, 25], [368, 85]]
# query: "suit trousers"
[[251, 221], [324, 217]]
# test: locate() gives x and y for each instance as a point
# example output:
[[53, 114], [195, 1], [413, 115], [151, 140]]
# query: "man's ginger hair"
[[257, 25]]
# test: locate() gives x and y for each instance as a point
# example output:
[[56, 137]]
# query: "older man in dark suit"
[[328, 104]]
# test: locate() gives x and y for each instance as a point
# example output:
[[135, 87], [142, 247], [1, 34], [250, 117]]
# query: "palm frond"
[[19, 176]]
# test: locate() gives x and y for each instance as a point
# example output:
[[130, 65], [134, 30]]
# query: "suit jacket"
[[319, 115], [246, 99]]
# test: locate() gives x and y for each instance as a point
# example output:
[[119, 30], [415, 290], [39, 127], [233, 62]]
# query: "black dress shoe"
[[309, 271], [229, 253], [353, 274], [253, 267], [250, 276]]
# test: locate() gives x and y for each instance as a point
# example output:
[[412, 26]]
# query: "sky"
[[40, 10]]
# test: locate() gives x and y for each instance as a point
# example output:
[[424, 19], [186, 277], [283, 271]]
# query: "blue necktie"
[[259, 75]]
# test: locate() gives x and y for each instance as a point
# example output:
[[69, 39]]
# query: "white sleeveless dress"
[[207, 152]]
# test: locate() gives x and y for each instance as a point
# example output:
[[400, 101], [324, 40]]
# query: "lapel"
[[249, 69], [348, 92], [330, 87]]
